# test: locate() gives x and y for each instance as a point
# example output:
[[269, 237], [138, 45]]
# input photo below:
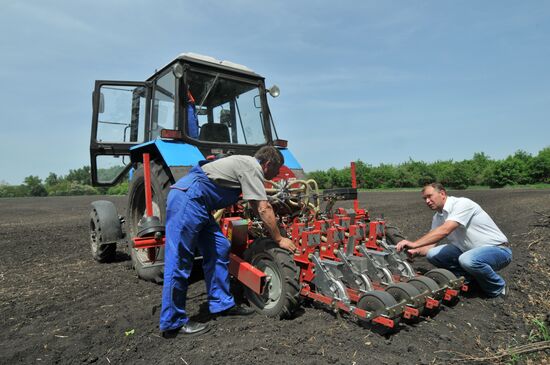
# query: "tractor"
[[197, 107]]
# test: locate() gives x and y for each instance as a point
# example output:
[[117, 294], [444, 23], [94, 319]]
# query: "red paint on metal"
[[431, 303], [147, 178], [148, 242], [354, 185], [247, 274], [410, 312], [450, 294], [384, 321]]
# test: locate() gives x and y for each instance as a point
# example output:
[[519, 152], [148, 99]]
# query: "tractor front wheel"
[[281, 295], [105, 230]]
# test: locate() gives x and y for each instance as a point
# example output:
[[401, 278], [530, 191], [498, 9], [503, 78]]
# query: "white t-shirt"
[[475, 228], [238, 171]]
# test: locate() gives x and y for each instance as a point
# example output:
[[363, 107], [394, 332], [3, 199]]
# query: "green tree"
[[539, 166], [51, 180], [511, 171], [81, 176], [441, 169], [501, 174], [34, 183], [459, 175], [480, 166], [384, 176], [338, 178], [363, 173], [319, 176]]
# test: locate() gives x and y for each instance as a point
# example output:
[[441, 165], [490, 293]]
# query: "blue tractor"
[[193, 108]]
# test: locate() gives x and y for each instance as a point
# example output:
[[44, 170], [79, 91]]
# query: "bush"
[[319, 176], [119, 189], [66, 188], [14, 191]]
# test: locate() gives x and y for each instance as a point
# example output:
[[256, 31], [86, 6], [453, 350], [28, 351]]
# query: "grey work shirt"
[[238, 171], [476, 228]]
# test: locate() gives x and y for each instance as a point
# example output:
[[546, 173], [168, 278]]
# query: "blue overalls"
[[190, 226]]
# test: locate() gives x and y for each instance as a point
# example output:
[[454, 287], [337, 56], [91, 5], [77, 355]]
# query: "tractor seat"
[[214, 132]]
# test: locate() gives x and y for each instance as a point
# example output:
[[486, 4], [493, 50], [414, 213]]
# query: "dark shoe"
[[190, 328], [236, 311], [499, 299]]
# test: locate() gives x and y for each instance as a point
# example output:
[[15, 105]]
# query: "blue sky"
[[378, 81]]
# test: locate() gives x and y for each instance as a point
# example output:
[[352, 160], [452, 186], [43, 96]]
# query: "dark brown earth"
[[58, 305]]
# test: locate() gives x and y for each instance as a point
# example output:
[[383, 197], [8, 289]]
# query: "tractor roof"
[[203, 60]]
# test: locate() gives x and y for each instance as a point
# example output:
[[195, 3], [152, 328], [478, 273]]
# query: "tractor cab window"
[[121, 114], [226, 110], [162, 116]]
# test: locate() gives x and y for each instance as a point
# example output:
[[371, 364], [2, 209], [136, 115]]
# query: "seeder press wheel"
[[377, 302], [424, 283], [442, 277], [408, 293]]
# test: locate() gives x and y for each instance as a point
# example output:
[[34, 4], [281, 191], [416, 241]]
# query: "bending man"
[[476, 248], [190, 226]]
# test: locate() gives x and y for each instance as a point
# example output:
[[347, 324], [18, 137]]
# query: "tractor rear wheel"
[[147, 269], [282, 293]]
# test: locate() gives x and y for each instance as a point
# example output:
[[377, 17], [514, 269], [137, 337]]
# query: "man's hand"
[[265, 211], [287, 244], [404, 244]]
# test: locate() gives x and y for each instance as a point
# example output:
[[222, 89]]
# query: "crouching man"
[[475, 247]]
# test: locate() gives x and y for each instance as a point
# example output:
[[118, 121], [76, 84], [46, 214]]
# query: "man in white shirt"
[[475, 247]]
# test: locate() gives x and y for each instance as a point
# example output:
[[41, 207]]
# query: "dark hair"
[[270, 153], [437, 186]]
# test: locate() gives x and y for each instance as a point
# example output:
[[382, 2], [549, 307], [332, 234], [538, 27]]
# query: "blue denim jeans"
[[479, 263]]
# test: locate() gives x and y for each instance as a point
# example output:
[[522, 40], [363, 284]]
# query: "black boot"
[[236, 310], [190, 328]]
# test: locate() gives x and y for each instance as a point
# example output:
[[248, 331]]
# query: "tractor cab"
[[193, 107]]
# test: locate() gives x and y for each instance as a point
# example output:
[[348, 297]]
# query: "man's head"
[[435, 196], [271, 160]]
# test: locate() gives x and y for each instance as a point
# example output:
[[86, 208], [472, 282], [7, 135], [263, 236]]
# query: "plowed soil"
[[58, 305]]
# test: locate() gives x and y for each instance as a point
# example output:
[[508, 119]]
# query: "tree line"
[[521, 168], [76, 182]]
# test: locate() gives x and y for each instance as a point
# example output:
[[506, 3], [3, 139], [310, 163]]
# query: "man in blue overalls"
[[190, 226]]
